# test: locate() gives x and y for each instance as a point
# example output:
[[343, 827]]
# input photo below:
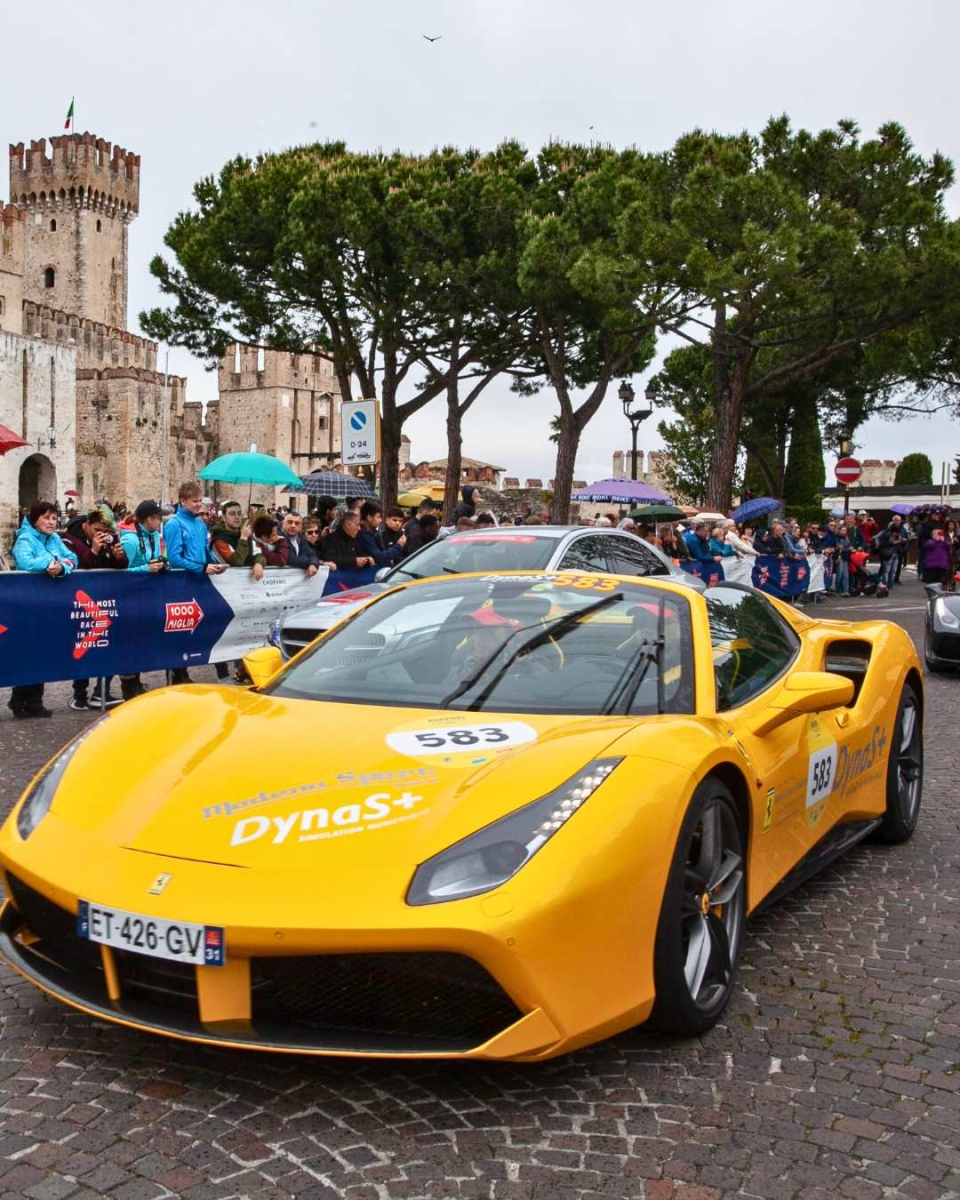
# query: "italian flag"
[[69, 120]]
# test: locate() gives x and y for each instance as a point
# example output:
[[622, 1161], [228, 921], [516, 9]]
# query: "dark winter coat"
[[466, 507], [89, 559], [341, 550]]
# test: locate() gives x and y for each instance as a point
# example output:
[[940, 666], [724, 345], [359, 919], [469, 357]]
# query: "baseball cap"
[[147, 508], [862, 512]]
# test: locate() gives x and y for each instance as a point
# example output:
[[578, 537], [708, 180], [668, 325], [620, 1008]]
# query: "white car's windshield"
[[461, 553], [554, 643]]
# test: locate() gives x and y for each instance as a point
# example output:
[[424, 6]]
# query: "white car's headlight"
[[37, 803], [945, 616], [491, 856]]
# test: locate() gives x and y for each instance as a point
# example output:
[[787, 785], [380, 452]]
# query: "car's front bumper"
[[511, 974], [942, 649], [421, 1005]]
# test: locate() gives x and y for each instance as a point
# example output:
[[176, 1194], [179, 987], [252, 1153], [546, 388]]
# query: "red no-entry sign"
[[848, 470]]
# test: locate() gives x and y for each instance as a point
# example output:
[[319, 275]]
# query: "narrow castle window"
[[53, 225], [49, 277], [321, 422], [99, 226], [260, 358]]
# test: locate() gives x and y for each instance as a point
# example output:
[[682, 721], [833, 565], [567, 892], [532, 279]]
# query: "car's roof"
[[545, 531]]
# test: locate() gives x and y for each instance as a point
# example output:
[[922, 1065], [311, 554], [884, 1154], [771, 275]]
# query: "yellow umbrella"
[[411, 499], [424, 491]]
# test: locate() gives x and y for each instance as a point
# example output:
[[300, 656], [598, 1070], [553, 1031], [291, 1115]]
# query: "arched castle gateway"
[[85, 392]]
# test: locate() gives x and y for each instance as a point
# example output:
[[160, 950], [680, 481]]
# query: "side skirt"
[[838, 841]]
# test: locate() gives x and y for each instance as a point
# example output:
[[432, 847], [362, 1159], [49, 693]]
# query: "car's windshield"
[[559, 643], [466, 552]]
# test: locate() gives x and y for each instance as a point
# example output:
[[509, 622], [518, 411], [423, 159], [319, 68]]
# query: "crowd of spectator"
[[198, 536]]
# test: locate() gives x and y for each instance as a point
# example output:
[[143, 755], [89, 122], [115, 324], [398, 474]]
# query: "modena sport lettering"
[[178, 941], [315, 824]]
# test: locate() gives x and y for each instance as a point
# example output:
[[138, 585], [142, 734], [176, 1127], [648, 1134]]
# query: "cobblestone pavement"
[[834, 1074]]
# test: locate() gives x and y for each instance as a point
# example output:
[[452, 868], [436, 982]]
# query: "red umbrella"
[[71, 492], [10, 440]]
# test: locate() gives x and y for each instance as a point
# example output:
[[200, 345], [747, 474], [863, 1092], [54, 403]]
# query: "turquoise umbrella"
[[247, 467]]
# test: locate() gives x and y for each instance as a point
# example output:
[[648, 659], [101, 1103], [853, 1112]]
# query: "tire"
[[933, 667], [904, 771], [697, 950]]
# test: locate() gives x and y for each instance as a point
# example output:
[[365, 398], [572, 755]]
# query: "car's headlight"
[[37, 802], [489, 857], [273, 637], [945, 616]]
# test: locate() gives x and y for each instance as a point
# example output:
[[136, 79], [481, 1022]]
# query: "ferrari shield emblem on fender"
[[158, 884]]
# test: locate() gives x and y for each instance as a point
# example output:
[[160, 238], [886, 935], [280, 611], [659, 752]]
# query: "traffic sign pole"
[[847, 471]]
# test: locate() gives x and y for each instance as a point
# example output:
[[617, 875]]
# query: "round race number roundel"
[[848, 470]]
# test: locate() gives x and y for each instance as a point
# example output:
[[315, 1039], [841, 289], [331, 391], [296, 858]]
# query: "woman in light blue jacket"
[[38, 548]]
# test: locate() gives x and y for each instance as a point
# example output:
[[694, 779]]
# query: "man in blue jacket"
[[187, 536], [371, 518], [187, 539], [698, 543]]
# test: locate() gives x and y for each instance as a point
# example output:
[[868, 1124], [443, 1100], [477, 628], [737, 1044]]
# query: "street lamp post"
[[636, 416], [844, 453]]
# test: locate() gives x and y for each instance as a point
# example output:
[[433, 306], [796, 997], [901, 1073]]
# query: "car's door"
[[584, 553], [794, 767], [631, 556]]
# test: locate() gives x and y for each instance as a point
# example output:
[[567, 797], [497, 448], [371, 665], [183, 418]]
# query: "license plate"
[[178, 941]]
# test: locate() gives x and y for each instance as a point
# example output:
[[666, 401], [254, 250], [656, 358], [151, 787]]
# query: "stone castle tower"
[[84, 391], [287, 405], [79, 201]]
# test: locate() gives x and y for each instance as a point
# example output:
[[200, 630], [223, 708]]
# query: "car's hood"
[[225, 776], [333, 608]]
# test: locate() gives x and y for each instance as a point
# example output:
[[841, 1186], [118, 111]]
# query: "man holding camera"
[[97, 547], [232, 540]]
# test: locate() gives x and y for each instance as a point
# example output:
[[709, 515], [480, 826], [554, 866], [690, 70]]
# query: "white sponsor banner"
[[257, 604], [738, 570], [817, 583]]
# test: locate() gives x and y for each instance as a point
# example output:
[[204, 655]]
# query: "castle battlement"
[[82, 170], [97, 344], [246, 367], [10, 214], [176, 384]]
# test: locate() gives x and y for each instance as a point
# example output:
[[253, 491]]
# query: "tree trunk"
[[451, 482], [568, 442], [390, 430], [723, 457]]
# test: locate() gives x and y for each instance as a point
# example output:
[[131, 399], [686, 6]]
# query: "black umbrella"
[[336, 484], [931, 510]]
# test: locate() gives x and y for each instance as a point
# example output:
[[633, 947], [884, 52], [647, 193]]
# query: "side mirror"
[[805, 692], [262, 664], [933, 589], [382, 574]]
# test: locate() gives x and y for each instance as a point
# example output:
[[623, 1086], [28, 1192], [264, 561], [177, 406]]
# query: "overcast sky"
[[189, 85]]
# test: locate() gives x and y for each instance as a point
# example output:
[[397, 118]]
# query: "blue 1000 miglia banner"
[[93, 623]]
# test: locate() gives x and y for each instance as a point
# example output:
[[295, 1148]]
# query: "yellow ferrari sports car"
[[492, 815]]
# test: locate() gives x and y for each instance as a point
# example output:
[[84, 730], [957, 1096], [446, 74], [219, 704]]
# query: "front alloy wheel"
[[698, 936]]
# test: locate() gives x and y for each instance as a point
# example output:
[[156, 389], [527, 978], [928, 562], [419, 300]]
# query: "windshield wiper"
[[555, 630], [412, 574], [451, 570], [650, 649]]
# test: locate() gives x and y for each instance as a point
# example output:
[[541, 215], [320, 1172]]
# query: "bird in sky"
[[433, 39]]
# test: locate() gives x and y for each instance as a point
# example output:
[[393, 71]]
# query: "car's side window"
[[631, 557], [752, 644], [585, 554]]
